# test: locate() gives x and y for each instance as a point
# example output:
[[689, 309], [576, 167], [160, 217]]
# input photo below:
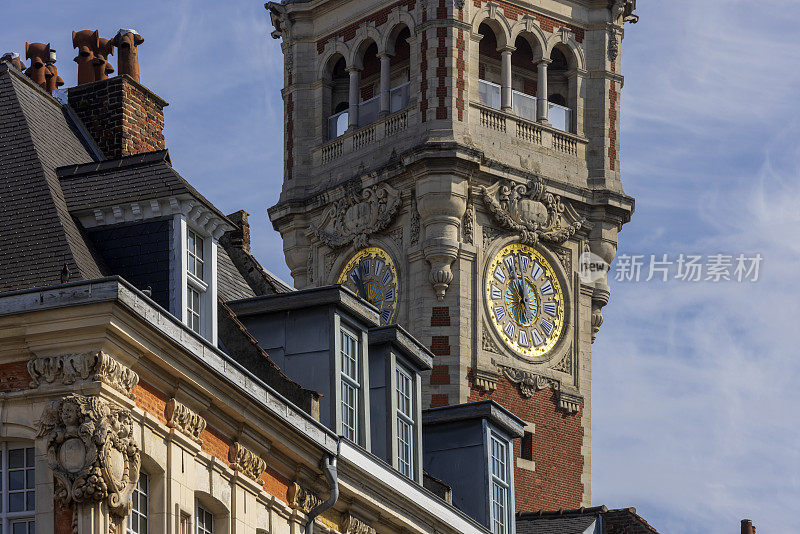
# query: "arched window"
[[337, 97], [18, 488], [489, 68], [400, 72], [558, 89]]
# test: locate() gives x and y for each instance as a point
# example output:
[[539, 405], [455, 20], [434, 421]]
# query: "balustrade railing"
[[493, 119]]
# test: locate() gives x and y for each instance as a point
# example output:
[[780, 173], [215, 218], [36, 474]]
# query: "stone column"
[[505, 90], [575, 80], [354, 98], [541, 82], [385, 84], [441, 201]]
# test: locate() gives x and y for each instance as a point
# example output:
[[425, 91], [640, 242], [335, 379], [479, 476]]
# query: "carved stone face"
[[70, 414]]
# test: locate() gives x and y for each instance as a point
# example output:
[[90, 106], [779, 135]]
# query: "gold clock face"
[[524, 300], [371, 274]]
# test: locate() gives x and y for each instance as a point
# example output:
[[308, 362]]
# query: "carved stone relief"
[[468, 225], [414, 230], [492, 234], [246, 461], [89, 366], [484, 380], [185, 420], [566, 363], [301, 498], [356, 216], [397, 236], [564, 256], [531, 212], [92, 452], [354, 525], [487, 343], [529, 383]]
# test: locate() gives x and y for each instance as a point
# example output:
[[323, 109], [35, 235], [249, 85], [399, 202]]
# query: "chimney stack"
[[122, 115], [240, 236], [747, 527], [53, 80]]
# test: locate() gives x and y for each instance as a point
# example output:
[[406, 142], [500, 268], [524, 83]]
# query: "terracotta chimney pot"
[[13, 59], [54, 81], [39, 54], [126, 41], [101, 67], [86, 41]]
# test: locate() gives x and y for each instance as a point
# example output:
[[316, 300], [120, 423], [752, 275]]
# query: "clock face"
[[371, 274], [524, 300]]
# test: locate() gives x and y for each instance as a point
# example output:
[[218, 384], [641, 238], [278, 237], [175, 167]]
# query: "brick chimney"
[[123, 116], [239, 238]]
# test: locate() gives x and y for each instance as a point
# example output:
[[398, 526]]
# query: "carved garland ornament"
[[301, 498], [185, 420], [358, 215], [92, 452], [530, 211], [246, 461], [529, 383], [354, 525], [92, 366]]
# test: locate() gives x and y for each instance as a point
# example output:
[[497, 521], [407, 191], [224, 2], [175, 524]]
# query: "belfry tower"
[[454, 162]]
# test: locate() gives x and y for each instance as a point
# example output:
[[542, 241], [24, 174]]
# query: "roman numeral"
[[547, 288], [497, 294], [523, 338], [389, 295], [386, 277], [386, 315], [523, 263], [500, 275], [509, 330], [379, 266], [547, 326], [499, 312], [550, 308], [537, 270], [509, 261], [537, 338]]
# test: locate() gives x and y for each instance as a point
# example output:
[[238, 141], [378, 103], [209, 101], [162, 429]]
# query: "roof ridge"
[[601, 509], [133, 160]]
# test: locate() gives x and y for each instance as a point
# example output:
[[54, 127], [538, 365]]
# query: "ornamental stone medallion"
[[92, 452], [527, 209], [358, 215]]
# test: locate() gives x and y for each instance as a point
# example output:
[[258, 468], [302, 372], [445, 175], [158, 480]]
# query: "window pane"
[[29, 457], [30, 501], [16, 502], [16, 458], [16, 480]]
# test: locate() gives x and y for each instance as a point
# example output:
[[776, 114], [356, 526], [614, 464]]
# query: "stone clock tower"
[[453, 161]]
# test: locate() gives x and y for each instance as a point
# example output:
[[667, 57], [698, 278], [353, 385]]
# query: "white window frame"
[[405, 419], [500, 484], [202, 511], [350, 383], [7, 519], [186, 280], [141, 493]]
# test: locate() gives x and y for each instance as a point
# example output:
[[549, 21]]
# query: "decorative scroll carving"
[[310, 265], [530, 211], [358, 215], [487, 343], [565, 365], [246, 461], [397, 236], [91, 366], [491, 234], [485, 381], [569, 403], [564, 257], [613, 44], [185, 420], [414, 223], [529, 383], [354, 525], [302, 498], [597, 320], [622, 11], [92, 453]]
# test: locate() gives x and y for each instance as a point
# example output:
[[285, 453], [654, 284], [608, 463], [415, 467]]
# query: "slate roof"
[[577, 521], [36, 137], [128, 179]]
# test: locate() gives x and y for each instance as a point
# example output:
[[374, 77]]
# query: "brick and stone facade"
[[439, 149]]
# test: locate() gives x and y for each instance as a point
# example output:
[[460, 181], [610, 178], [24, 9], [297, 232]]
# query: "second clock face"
[[524, 300], [371, 274]]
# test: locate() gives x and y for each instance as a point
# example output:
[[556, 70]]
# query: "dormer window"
[[350, 384], [405, 422], [195, 286], [500, 487]]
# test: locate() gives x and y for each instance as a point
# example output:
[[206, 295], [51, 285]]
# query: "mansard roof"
[[577, 521], [39, 236]]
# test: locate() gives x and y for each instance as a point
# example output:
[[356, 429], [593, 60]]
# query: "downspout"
[[329, 468]]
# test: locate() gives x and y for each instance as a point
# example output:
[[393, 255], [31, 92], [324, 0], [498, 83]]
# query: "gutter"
[[329, 468]]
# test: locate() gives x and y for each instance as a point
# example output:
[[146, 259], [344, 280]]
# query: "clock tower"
[[456, 162]]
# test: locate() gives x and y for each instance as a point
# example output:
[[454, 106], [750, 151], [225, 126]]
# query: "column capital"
[[507, 49], [353, 68], [544, 61], [384, 55]]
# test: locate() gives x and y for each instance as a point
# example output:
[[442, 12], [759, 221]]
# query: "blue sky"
[[695, 400]]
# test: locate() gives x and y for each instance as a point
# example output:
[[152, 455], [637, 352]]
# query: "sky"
[[696, 409]]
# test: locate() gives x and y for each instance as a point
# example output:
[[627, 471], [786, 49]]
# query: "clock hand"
[[523, 291]]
